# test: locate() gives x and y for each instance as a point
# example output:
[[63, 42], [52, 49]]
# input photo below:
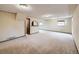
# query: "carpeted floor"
[[44, 42]]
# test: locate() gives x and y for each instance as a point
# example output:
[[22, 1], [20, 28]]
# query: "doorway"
[[27, 26]]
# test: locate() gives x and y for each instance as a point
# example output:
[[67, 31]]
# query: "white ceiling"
[[57, 10]]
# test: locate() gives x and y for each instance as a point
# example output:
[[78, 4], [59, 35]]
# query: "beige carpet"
[[44, 42]]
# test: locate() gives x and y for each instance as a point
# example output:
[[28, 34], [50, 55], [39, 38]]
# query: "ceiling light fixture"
[[40, 23], [48, 15], [24, 6]]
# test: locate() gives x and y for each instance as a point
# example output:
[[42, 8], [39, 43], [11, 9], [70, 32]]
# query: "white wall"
[[33, 29], [75, 26], [20, 23], [52, 24], [11, 25]]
